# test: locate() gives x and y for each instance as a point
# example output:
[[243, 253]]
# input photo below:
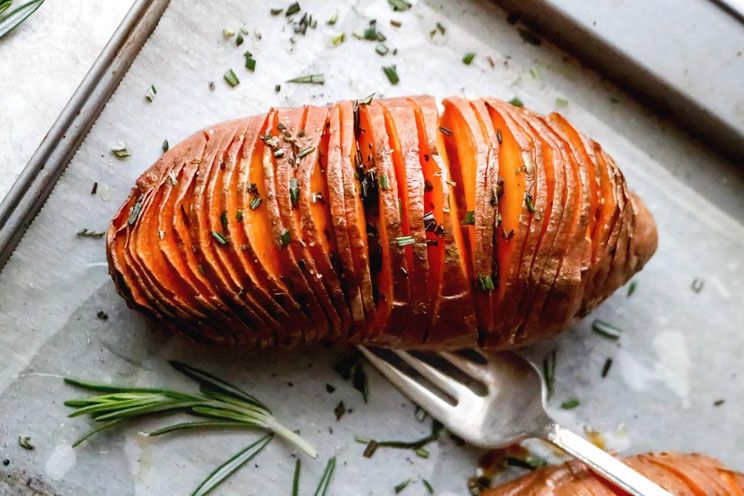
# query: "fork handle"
[[601, 462]]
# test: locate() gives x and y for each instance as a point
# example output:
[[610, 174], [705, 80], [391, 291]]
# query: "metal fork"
[[512, 409]]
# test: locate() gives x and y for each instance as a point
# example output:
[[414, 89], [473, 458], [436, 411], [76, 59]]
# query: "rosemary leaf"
[[308, 79], [136, 208], [199, 424], [231, 465], [468, 58], [121, 152], [16, 16], [151, 92], [166, 146], [4, 5], [516, 102], [605, 329], [296, 478], [632, 287], [25, 442], [293, 9], [333, 19], [427, 485], [88, 233], [250, 62], [215, 384], [570, 404], [338, 39], [325, 480], [400, 487]]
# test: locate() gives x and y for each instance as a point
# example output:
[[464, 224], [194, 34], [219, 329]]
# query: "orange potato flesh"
[[373, 224]]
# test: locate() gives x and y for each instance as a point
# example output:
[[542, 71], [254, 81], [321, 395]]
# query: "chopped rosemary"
[[325, 480], [445, 130], [529, 203], [120, 152], [277, 88], [294, 192], [381, 49], [422, 453], [166, 146], [405, 240], [400, 487], [293, 9], [220, 238], [438, 28], [25, 442], [330, 388], [570, 404], [468, 58], [285, 238], [420, 414], [399, 5], [469, 218], [231, 78], [94, 189], [87, 233], [395, 23], [308, 79], [239, 39], [549, 371], [530, 462], [360, 381], [278, 153], [697, 284], [561, 102], [384, 182], [486, 283], [607, 330], [606, 367], [392, 74], [366, 100], [340, 410], [338, 39], [250, 62], [333, 19], [427, 485], [223, 219], [632, 287], [276, 12], [151, 92], [370, 449], [228, 33], [136, 208], [255, 202], [305, 151], [516, 102]]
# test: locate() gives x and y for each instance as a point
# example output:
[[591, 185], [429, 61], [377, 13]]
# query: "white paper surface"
[[680, 350]]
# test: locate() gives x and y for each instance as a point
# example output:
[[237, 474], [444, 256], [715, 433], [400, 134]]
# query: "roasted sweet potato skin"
[[680, 474], [379, 222]]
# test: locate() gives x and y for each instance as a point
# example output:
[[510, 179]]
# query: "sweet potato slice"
[[400, 123], [336, 198], [270, 241], [314, 212], [178, 216], [119, 268], [487, 222], [555, 272], [519, 234], [453, 322], [223, 246], [237, 200], [206, 241], [355, 220], [384, 227]]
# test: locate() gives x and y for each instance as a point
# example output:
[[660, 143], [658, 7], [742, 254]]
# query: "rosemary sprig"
[[325, 480], [230, 466], [221, 403], [12, 19]]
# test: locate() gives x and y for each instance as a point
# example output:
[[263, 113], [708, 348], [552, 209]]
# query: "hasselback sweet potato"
[[379, 222], [680, 474]]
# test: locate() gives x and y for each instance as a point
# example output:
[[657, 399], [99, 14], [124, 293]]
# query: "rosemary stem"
[[290, 436]]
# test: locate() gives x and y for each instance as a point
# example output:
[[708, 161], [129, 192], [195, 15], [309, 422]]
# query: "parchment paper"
[[680, 351]]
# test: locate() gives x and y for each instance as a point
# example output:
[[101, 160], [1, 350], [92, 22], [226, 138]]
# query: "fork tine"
[[448, 384], [422, 396], [474, 370]]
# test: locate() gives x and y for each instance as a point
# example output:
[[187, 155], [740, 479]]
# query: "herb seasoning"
[[392, 74], [220, 238], [308, 79], [468, 58], [231, 78], [469, 218], [151, 92], [607, 330]]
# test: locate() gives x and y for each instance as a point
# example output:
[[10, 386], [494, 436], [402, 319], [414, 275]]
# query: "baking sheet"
[[678, 355]]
